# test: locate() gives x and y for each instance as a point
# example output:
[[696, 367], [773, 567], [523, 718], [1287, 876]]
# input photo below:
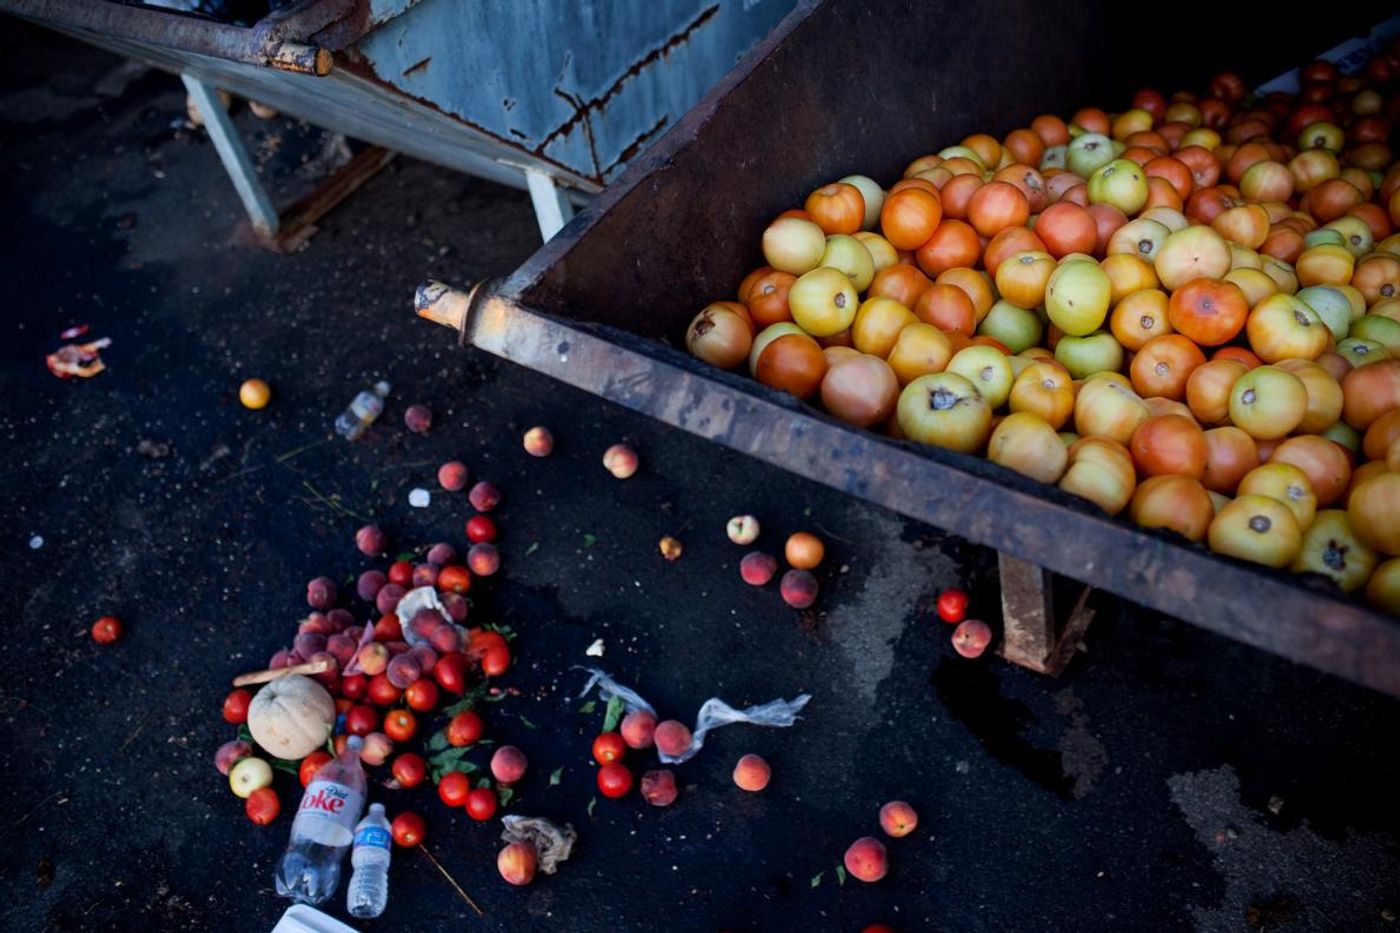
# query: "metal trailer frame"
[[518, 93], [596, 306]]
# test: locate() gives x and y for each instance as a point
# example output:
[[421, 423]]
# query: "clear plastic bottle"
[[369, 885], [362, 412], [309, 871]]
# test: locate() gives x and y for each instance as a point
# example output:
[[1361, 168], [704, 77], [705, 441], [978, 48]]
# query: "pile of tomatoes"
[[1188, 311]]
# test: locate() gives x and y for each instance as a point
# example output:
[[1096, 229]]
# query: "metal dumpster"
[[567, 92], [862, 86]]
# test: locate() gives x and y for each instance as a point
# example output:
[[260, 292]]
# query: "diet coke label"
[[328, 813]]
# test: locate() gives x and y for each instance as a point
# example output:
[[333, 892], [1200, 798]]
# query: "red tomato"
[[354, 687], [236, 706], [407, 829], [310, 765], [262, 806], [496, 660], [421, 695], [614, 780], [480, 528], [608, 748], [454, 788], [455, 578], [382, 692], [400, 725], [388, 628], [481, 804], [952, 605], [450, 672], [464, 729], [106, 630], [401, 572], [362, 720], [409, 769]]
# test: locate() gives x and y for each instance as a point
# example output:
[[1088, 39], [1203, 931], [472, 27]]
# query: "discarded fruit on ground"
[[262, 806], [482, 804], [236, 705], [255, 394], [508, 764], [671, 548], [620, 460], [804, 550], [799, 589], [418, 418], [539, 442], [971, 638], [609, 747], [614, 780], [230, 753], [465, 729], [752, 773], [897, 818], [106, 630], [659, 788], [638, 729], [865, 859], [409, 769], [952, 605], [742, 529], [248, 775], [516, 863], [454, 788], [757, 568], [408, 829], [672, 738]]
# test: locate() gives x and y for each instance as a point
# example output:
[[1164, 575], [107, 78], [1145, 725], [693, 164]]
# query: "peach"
[[865, 859], [742, 529], [373, 658], [308, 644], [672, 738], [620, 460], [441, 554], [659, 788], [369, 584], [371, 541], [516, 863], [799, 589], [671, 548], [387, 599], [320, 593], [539, 442], [483, 559], [317, 623], [444, 638], [897, 818], [341, 647], [377, 749], [456, 603], [403, 670], [757, 568], [452, 475], [971, 638], [484, 496], [231, 753], [752, 773], [638, 728], [424, 623], [425, 575], [508, 764]]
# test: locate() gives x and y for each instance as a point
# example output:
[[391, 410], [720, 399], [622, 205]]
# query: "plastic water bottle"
[[309, 871], [362, 411], [369, 885]]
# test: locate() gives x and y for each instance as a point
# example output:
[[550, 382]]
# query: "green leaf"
[[282, 764], [556, 776], [807, 512], [840, 874], [244, 733], [614, 714], [589, 540], [524, 721], [485, 741], [817, 878], [484, 782], [534, 546], [593, 802], [438, 742], [406, 555], [495, 697], [505, 794], [588, 707]]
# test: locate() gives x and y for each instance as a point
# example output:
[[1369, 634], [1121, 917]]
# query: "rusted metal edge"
[[678, 137], [299, 219], [975, 499], [259, 45], [1032, 634]]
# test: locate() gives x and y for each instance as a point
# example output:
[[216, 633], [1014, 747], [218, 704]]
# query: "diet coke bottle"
[[324, 828]]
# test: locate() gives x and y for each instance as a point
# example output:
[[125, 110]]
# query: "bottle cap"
[[355, 743]]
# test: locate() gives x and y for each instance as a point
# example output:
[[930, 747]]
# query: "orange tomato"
[[1067, 228], [910, 216], [904, 283], [996, 206], [1230, 455], [1008, 243], [837, 208], [953, 244], [1177, 503], [1139, 317], [1163, 366], [768, 298], [1208, 312], [947, 307], [1326, 464]]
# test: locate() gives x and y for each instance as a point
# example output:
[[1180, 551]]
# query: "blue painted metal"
[[585, 84]]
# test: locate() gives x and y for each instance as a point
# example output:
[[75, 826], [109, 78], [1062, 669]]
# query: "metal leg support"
[[234, 156], [1032, 638], [552, 207]]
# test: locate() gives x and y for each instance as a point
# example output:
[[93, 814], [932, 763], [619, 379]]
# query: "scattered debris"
[[595, 650], [419, 498], [36, 542], [152, 450], [552, 844], [78, 359], [74, 332], [671, 548]]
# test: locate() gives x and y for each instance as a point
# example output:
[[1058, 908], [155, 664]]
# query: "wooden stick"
[[271, 674], [450, 880]]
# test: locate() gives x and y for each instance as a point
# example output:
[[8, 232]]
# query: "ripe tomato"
[[401, 572], [454, 788], [388, 628], [464, 729], [362, 720], [400, 725], [480, 528], [421, 695], [106, 630], [354, 687], [450, 672], [409, 769], [310, 765], [455, 578], [952, 606], [614, 780], [382, 691], [481, 804], [496, 660], [608, 748], [236, 706], [408, 830], [262, 806]]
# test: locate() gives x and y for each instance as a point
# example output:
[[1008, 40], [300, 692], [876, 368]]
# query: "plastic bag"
[[713, 713]]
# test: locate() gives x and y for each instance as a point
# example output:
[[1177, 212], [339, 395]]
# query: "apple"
[[1086, 356], [249, 774], [946, 410]]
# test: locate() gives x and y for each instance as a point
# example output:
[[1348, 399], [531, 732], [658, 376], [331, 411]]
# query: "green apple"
[[248, 775]]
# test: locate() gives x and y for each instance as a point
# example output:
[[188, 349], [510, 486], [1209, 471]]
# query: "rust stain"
[[418, 66], [596, 104], [636, 145], [580, 112]]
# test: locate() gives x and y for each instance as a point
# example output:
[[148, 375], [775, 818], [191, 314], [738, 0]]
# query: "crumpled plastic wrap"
[[552, 843], [713, 713]]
